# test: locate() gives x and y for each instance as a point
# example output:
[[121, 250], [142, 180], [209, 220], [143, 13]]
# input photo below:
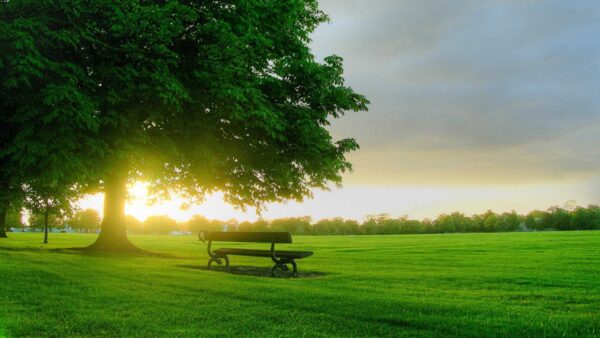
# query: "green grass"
[[505, 284]]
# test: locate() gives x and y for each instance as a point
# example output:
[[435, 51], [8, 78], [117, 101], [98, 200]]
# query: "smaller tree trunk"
[[3, 223], [46, 226]]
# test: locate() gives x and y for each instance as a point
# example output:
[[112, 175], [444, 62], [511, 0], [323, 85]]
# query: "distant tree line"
[[555, 218]]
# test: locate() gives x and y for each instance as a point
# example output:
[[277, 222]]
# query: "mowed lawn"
[[504, 284]]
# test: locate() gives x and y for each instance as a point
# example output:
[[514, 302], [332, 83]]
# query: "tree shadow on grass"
[[85, 251], [255, 271]]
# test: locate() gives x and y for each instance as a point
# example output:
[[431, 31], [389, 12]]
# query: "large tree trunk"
[[113, 236], [3, 222]]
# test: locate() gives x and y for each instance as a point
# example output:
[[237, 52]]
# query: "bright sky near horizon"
[[475, 105]]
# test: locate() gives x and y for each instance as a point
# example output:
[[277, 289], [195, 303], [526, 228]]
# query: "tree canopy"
[[190, 96], [87, 220], [159, 225]]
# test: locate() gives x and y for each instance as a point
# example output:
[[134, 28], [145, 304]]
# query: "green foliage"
[[133, 225], [585, 218], [50, 197], [14, 218], [49, 201], [296, 225], [335, 226], [193, 96], [199, 224], [159, 225], [87, 220], [542, 284], [42, 108], [555, 219], [36, 221]]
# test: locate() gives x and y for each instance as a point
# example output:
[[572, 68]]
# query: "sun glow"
[[139, 206], [356, 202]]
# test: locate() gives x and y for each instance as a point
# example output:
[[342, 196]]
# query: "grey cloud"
[[450, 79]]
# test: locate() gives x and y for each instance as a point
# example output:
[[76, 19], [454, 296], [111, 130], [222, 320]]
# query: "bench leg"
[[280, 268], [294, 267], [218, 260]]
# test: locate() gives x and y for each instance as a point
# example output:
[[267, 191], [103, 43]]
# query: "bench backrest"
[[257, 237]]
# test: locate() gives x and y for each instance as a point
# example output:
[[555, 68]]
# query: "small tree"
[[246, 226], [556, 218], [87, 220], [50, 199], [198, 224], [534, 220], [160, 225], [490, 221], [295, 225], [326, 226], [38, 220], [133, 225], [509, 221], [261, 225]]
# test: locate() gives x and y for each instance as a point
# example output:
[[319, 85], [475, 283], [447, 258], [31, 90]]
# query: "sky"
[[475, 105]]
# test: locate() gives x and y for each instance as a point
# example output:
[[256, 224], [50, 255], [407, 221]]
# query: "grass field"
[[504, 284]]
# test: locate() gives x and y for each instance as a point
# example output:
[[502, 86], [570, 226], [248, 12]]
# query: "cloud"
[[469, 91]]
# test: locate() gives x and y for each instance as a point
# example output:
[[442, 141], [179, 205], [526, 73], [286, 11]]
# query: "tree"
[[39, 113], [509, 221], [132, 224], [259, 225], [490, 220], [428, 226], [3, 212], [10, 77], [370, 225], [6, 200], [533, 220], [38, 220], [445, 223], [11, 194], [585, 218], [296, 225], [14, 218], [412, 226], [556, 218], [198, 224], [10, 215], [49, 199], [233, 224], [159, 225], [191, 96], [332, 226], [87, 220]]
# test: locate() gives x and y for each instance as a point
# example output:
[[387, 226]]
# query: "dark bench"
[[280, 257]]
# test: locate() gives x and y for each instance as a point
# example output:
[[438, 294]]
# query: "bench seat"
[[281, 258], [262, 253]]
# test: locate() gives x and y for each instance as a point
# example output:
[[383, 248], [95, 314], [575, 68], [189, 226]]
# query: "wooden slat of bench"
[[262, 253], [256, 237]]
